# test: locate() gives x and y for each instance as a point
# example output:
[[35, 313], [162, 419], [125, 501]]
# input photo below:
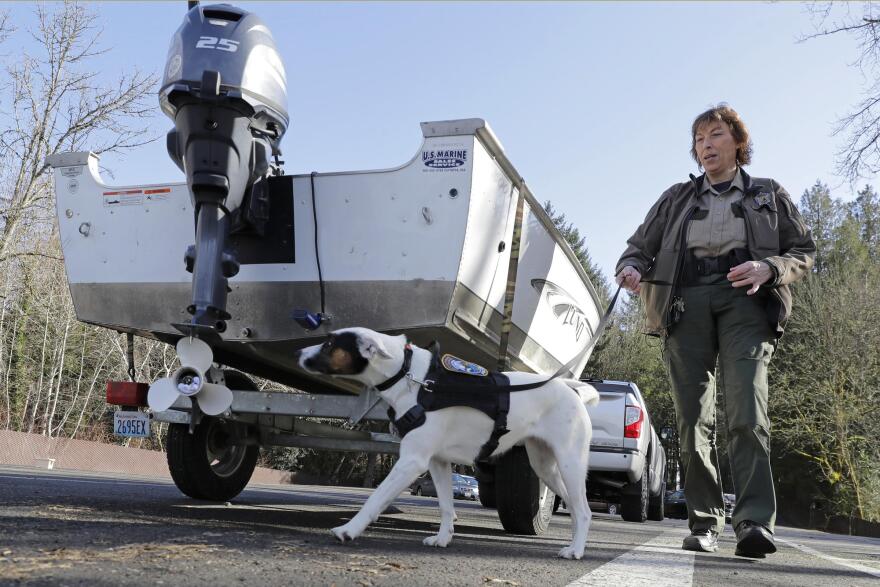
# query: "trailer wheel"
[[208, 464], [656, 509], [634, 506], [525, 503]]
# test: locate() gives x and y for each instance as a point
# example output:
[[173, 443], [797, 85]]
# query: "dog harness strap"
[[412, 419], [501, 410], [407, 360]]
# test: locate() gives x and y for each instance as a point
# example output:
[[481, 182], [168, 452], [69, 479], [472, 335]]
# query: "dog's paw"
[[438, 540], [570, 552], [343, 534]]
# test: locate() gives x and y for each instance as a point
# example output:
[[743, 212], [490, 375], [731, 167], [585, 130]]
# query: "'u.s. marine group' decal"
[[456, 365], [445, 158]]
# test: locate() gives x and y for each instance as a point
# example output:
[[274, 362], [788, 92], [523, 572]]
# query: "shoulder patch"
[[457, 365]]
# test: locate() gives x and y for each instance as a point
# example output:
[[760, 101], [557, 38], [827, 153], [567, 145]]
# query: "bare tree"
[[52, 99], [860, 154], [57, 103]]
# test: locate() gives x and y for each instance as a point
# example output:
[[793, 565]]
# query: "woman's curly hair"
[[724, 113]]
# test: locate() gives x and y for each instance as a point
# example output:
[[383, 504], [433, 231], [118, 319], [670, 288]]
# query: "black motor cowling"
[[225, 89]]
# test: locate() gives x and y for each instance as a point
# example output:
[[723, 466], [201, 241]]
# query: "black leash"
[[603, 324]]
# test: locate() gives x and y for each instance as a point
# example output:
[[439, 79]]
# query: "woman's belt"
[[696, 267]]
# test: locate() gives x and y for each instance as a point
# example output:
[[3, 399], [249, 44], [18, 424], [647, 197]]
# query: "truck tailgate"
[[608, 415]]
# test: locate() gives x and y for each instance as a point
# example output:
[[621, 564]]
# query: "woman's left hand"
[[752, 273]]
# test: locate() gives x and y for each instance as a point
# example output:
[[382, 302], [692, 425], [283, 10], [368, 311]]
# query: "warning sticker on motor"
[[157, 194], [124, 198]]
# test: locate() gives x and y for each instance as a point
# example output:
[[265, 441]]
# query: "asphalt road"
[[62, 528]]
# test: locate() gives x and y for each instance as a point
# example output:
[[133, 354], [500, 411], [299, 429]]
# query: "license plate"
[[133, 424]]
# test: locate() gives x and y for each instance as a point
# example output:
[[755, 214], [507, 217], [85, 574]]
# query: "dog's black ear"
[[371, 346]]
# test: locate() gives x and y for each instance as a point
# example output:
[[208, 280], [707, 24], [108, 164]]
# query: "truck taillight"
[[127, 393], [632, 422]]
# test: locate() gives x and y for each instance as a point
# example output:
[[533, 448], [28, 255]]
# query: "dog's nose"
[[305, 360]]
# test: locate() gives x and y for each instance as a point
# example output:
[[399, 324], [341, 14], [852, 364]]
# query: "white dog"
[[550, 420]]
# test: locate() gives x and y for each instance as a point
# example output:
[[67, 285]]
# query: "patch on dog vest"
[[456, 365]]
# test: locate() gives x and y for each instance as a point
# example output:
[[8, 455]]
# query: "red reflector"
[[633, 422], [127, 393]]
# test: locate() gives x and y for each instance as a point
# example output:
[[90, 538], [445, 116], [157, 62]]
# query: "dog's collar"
[[407, 360]]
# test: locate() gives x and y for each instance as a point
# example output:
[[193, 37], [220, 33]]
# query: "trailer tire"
[[656, 506], [525, 503], [634, 506], [204, 464]]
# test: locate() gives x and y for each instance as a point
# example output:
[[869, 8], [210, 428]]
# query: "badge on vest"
[[456, 365], [764, 199]]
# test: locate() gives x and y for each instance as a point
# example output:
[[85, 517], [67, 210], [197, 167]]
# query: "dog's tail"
[[587, 392]]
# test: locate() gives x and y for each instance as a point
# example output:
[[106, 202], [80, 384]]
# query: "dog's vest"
[[454, 382]]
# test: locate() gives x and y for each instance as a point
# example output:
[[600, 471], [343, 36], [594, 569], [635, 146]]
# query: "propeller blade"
[[194, 352], [162, 394], [214, 399]]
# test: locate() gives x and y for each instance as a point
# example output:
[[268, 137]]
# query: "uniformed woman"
[[713, 261]]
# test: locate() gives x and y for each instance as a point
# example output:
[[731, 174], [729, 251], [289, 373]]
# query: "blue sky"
[[592, 101]]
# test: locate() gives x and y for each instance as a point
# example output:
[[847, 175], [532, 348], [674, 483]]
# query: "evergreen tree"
[[826, 374], [866, 210], [821, 214], [578, 244]]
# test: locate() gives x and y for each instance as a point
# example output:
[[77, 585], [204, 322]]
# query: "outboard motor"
[[226, 91]]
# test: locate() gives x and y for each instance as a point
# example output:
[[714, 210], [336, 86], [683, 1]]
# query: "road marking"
[[660, 562], [98, 480], [843, 562]]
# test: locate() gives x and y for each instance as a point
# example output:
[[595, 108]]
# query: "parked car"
[[463, 487], [627, 460], [627, 471], [676, 506]]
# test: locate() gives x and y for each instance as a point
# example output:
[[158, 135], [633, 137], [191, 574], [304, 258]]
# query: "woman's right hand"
[[630, 278]]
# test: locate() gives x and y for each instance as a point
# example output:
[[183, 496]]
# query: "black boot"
[[753, 540]]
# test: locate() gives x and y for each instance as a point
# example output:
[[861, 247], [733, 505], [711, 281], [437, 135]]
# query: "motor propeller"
[[190, 381]]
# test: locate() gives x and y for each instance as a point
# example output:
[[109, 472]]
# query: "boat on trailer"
[[240, 265], [423, 249]]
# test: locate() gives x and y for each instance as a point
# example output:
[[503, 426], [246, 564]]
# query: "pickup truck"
[[627, 461]]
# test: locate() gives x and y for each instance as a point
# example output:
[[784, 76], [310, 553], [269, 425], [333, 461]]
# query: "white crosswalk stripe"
[[660, 562]]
